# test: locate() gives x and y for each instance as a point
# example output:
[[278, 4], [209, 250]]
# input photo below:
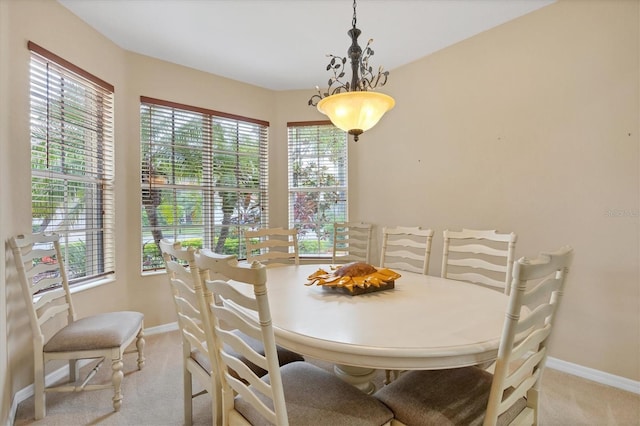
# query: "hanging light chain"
[[354, 20]]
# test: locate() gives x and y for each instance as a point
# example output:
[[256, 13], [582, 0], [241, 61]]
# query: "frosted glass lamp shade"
[[356, 112]]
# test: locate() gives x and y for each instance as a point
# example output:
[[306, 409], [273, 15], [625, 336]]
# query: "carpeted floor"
[[153, 396]]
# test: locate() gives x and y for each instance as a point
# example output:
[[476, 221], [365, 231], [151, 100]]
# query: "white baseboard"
[[594, 375], [557, 364], [161, 328]]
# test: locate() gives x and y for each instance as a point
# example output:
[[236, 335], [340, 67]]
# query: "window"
[[72, 162], [317, 183], [203, 178]]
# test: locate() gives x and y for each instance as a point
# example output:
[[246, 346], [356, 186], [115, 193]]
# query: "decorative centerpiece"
[[355, 278]]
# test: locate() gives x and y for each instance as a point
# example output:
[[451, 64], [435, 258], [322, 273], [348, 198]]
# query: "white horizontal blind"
[[72, 162], [203, 178], [317, 183]]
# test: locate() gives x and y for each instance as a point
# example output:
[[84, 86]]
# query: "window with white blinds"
[[72, 162], [317, 183], [203, 178]]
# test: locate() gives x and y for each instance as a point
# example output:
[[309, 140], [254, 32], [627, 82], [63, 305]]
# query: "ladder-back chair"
[[406, 248], [297, 393], [195, 324], [57, 332], [273, 246], [189, 300], [472, 395], [351, 242], [479, 256]]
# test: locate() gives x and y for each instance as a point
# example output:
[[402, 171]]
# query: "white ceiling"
[[282, 44]]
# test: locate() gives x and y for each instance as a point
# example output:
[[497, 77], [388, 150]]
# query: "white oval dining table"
[[425, 322]]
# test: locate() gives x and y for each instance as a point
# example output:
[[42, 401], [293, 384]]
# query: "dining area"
[[493, 133], [248, 326], [409, 325]]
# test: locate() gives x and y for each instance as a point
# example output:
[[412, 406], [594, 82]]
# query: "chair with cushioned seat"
[[191, 301], [58, 334], [480, 257], [351, 242], [273, 246], [185, 285], [406, 248], [473, 396], [297, 393]]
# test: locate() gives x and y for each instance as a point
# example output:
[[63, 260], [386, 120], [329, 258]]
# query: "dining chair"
[[297, 393], [223, 267], [188, 298], [480, 257], [351, 242], [58, 335], [406, 248], [273, 246], [472, 395], [191, 301]]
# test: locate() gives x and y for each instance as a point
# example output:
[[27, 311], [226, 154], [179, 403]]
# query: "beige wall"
[[531, 127]]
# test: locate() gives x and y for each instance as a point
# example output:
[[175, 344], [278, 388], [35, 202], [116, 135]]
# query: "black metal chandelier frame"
[[362, 75]]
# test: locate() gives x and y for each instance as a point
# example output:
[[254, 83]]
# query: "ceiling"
[[282, 44]]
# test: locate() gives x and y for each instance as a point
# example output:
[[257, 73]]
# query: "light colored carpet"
[[153, 396]]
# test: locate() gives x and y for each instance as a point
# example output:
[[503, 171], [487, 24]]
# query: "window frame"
[[315, 235], [72, 163], [222, 143]]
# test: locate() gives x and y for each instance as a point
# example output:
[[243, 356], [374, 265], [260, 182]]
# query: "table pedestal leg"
[[360, 377]]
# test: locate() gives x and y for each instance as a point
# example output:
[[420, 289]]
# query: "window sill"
[[153, 273], [78, 288]]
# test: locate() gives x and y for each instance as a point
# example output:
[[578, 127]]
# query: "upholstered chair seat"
[[316, 397], [444, 397], [96, 332]]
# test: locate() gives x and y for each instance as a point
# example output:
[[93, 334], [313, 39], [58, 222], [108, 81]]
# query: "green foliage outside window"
[[203, 178], [317, 185]]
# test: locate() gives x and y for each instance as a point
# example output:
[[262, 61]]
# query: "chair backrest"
[[188, 294], [272, 246], [351, 242], [406, 248], [247, 311], [479, 256], [191, 301], [538, 285], [44, 283]]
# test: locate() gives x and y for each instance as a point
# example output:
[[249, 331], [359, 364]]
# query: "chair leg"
[[187, 396], [116, 379], [387, 377], [39, 396], [140, 347], [216, 403], [533, 401], [390, 376]]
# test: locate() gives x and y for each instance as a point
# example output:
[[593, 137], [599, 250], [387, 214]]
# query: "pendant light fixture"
[[353, 106]]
